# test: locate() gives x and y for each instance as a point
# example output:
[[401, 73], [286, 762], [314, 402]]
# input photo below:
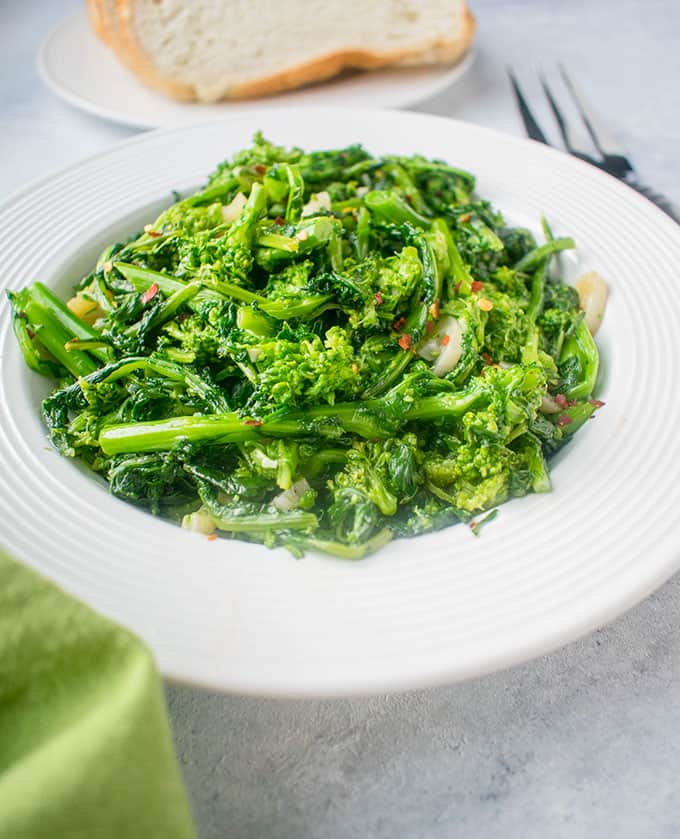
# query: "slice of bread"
[[228, 49]]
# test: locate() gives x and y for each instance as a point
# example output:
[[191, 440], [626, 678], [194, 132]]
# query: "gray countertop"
[[582, 743]]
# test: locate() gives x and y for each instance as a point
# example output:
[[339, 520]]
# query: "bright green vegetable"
[[263, 358]]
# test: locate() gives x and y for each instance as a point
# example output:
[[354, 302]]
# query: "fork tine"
[[557, 113], [579, 145], [603, 138], [533, 129]]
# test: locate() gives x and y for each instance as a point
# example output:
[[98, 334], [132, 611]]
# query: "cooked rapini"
[[319, 349]]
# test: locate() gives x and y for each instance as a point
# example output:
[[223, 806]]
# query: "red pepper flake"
[[150, 293], [30, 332], [252, 422], [260, 168], [475, 285], [465, 217], [182, 316], [564, 419], [212, 537], [405, 341], [561, 400], [429, 327], [378, 298], [597, 403], [445, 340], [456, 288], [148, 229], [409, 200], [280, 221], [397, 325], [434, 309], [487, 358]]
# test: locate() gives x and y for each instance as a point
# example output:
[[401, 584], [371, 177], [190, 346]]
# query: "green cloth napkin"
[[85, 745]]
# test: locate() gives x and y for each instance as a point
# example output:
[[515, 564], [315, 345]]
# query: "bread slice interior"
[[215, 49]]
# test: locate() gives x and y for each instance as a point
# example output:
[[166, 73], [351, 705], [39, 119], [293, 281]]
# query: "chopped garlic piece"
[[199, 522], [592, 293], [319, 201]]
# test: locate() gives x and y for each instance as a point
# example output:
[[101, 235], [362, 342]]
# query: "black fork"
[[600, 148]]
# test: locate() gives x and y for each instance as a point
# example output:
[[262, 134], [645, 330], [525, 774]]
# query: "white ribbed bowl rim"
[[441, 607]]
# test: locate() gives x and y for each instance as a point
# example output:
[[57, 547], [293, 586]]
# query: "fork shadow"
[[552, 747]]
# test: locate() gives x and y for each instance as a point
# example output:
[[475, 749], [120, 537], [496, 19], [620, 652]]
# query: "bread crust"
[[108, 10], [97, 20], [318, 69], [132, 55]]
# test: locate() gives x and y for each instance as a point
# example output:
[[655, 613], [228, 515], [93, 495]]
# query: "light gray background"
[[581, 743]]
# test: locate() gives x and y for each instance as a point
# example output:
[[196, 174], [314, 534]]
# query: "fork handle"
[[656, 198]]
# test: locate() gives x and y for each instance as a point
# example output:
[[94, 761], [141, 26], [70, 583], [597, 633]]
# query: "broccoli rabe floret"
[[505, 401], [375, 479], [237, 258], [559, 317], [510, 282], [476, 469], [519, 389], [561, 296], [398, 277], [506, 328], [375, 289], [477, 476], [474, 477], [478, 244], [518, 242], [201, 256], [387, 471], [186, 220], [260, 154], [199, 336], [366, 473], [298, 372], [291, 282], [224, 253], [387, 284]]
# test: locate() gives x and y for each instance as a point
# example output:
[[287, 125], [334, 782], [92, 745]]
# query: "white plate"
[[83, 71], [423, 611]]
